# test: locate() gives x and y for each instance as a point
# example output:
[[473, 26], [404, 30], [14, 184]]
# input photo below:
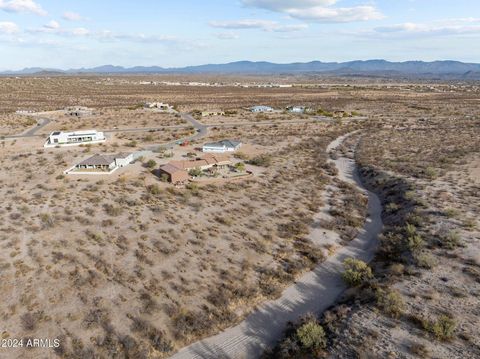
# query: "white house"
[[222, 146], [261, 109], [296, 109], [74, 138], [123, 159], [160, 106]]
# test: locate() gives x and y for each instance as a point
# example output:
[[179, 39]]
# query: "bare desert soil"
[[107, 119], [129, 266]]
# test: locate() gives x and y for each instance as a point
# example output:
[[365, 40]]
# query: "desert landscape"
[[129, 265]]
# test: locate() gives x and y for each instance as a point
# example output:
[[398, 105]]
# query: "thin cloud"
[[283, 5], [22, 6], [265, 25], [72, 16], [438, 28], [227, 36], [7, 27], [318, 10]]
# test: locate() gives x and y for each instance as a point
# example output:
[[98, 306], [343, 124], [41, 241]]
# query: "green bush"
[[150, 164], [443, 328], [311, 335], [240, 166], [195, 172], [390, 302], [430, 173], [261, 161], [426, 261], [154, 189], [414, 240], [451, 240], [356, 272]]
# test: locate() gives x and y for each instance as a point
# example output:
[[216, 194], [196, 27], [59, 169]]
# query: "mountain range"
[[380, 68]]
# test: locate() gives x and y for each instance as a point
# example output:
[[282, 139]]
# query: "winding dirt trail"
[[313, 292]]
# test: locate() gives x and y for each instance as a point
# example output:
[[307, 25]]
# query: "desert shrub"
[[195, 172], [420, 350], [240, 166], [452, 212], [396, 269], [430, 173], [155, 336], [154, 189], [311, 335], [28, 321], [470, 223], [113, 210], [426, 261], [47, 220], [451, 240], [443, 328], [261, 161], [390, 302], [188, 323], [151, 164], [164, 177], [392, 207], [414, 240], [356, 272]]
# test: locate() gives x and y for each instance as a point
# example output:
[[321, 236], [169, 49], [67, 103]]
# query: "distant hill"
[[383, 68]]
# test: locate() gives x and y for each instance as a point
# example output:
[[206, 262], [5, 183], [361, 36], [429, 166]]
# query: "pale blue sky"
[[71, 34]]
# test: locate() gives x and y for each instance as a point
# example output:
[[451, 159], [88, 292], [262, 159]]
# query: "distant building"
[[74, 138], [222, 146], [297, 109], [261, 109], [78, 111], [103, 163], [159, 106]]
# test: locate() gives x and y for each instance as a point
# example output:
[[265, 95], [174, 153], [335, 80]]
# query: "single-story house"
[[105, 162], [174, 174], [176, 170], [78, 111], [217, 160], [261, 109], [296, 109], [76, 138], [205, 162], [222, 146], [159, 105]]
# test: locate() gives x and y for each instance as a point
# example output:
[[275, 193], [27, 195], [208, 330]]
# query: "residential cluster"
[[291, 109], [213, 163]]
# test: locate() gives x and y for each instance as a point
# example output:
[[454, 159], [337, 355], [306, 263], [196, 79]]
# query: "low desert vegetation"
[[417, 289], [130, 266]]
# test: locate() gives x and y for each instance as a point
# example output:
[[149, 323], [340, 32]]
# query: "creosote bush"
[[390, 302], [311, 335], [443, 328], [356, 272]]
